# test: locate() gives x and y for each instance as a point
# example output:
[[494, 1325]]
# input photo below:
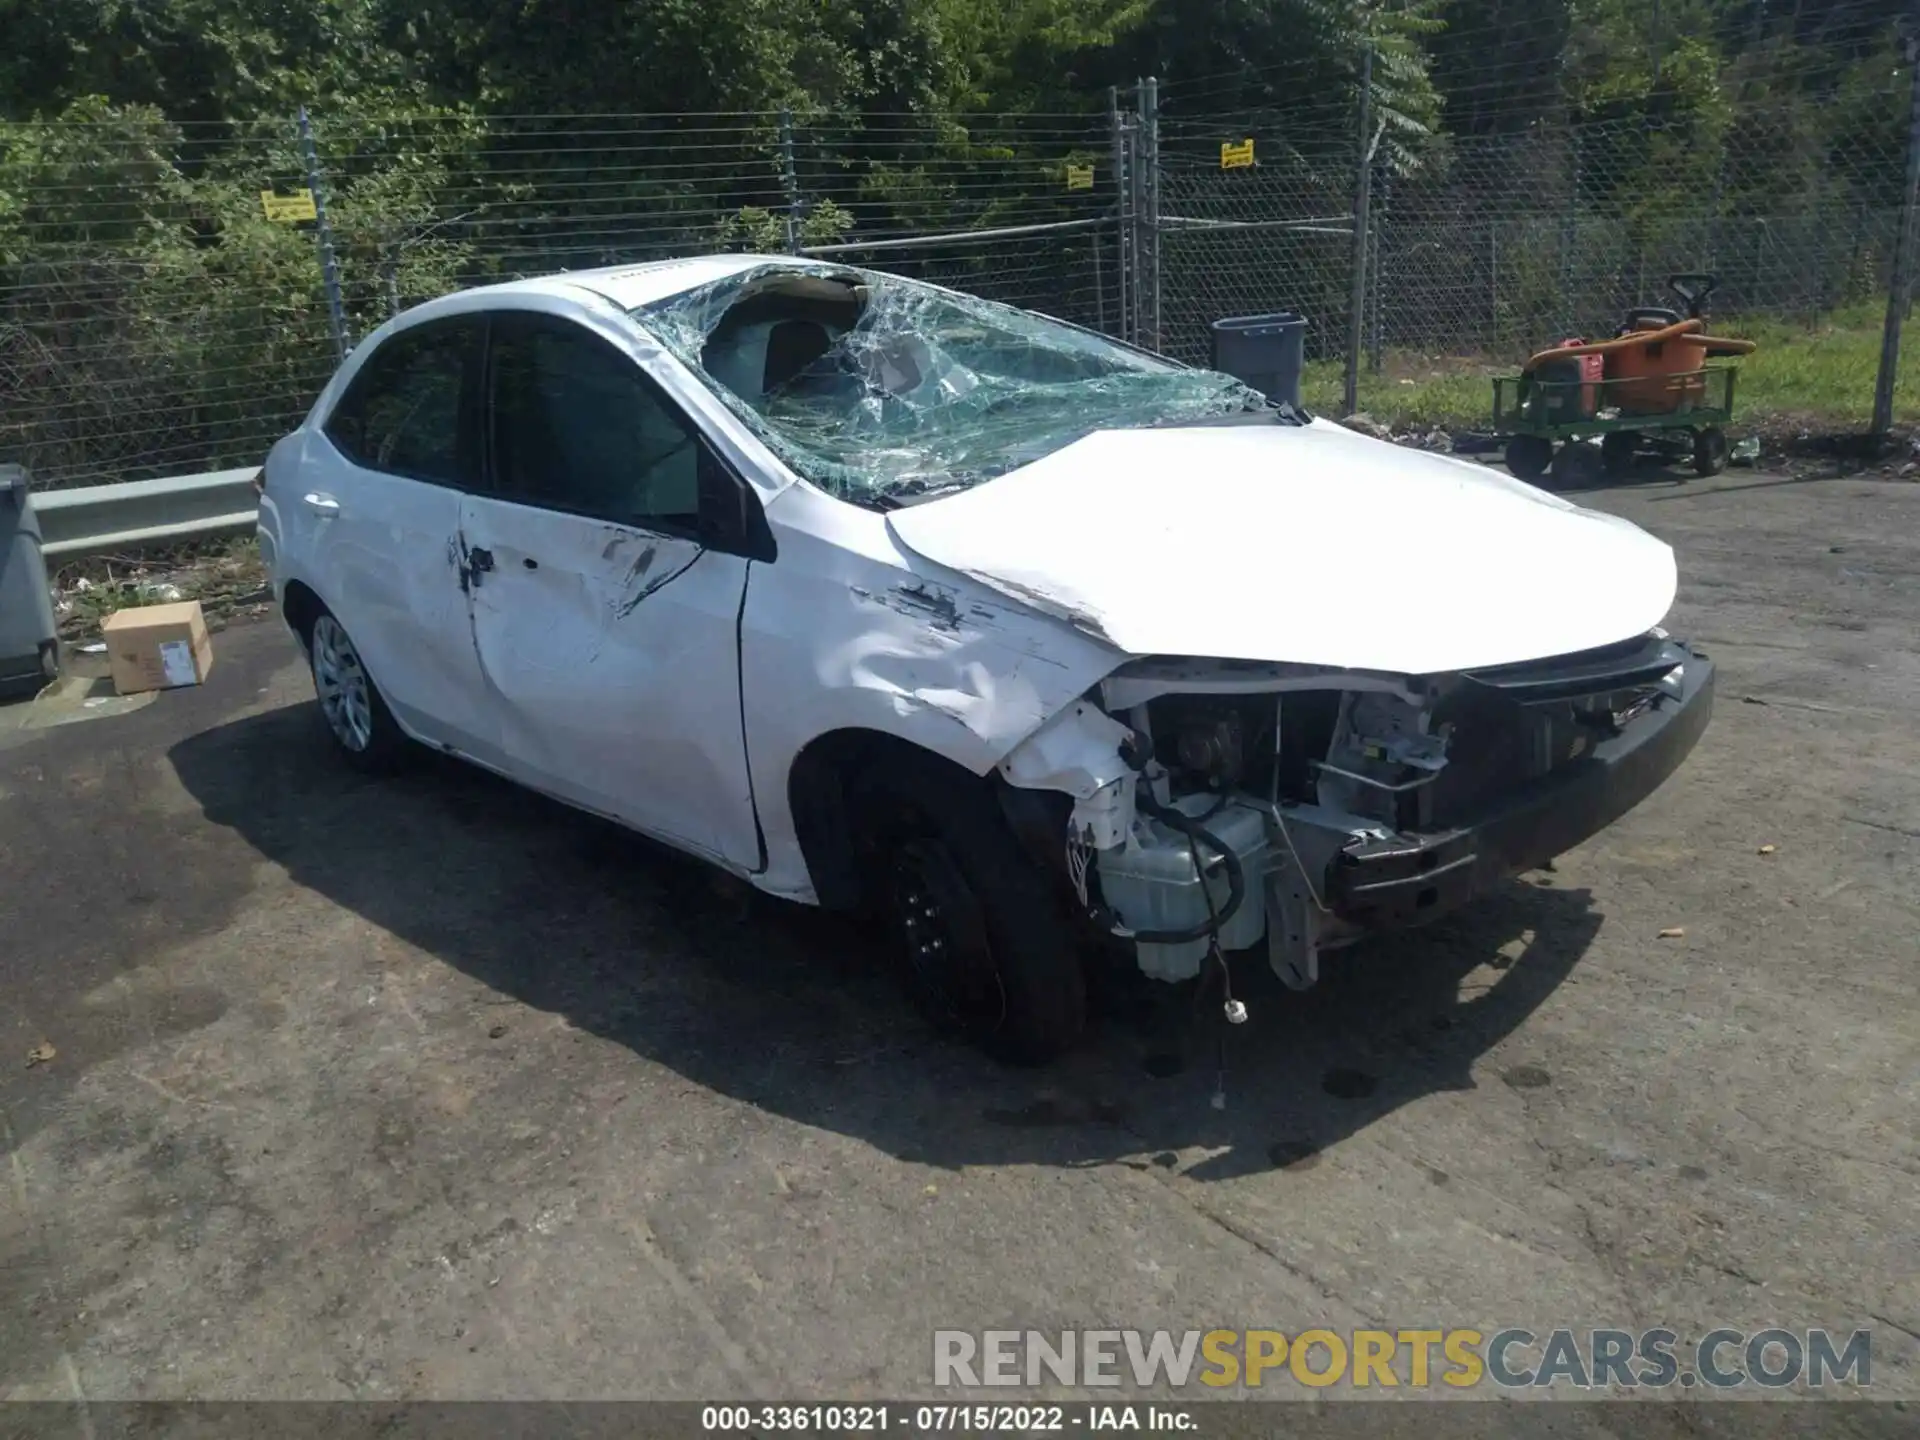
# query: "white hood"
[[1308, 544]]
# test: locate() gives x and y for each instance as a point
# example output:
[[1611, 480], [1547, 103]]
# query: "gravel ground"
[[428, 1087]]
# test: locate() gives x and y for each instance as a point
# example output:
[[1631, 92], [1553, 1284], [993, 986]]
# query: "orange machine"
[[1648, 390], [1653, 368], [1653, 365]]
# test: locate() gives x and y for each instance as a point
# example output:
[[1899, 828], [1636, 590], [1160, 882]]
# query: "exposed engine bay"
[[1260, 802]]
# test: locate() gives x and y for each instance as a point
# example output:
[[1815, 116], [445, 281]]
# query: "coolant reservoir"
[[1150, 884]]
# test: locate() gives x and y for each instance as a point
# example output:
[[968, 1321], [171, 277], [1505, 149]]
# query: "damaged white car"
[[888, 598]]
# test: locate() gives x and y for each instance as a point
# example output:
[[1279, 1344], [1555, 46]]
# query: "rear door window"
[[410, 411]]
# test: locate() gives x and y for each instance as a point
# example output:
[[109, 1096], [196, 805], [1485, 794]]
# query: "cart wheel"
[[1575, 466], [1709, 450], [1528, 456], [1617, 450]]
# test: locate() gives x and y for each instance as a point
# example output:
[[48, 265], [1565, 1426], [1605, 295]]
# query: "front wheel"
[[983, 942], [355, 712], [1528, 456]]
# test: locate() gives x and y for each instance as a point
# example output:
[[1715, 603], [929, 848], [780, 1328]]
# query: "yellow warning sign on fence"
[[1233, 157], [1079, 177], [286, 209]]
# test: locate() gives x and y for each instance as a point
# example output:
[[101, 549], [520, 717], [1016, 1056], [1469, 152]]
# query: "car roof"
[[631, 286]]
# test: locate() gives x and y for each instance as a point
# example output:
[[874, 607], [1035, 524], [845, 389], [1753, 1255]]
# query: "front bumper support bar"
[[1405, 879]]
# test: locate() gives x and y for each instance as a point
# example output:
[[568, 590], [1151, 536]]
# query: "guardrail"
[[91, 518]]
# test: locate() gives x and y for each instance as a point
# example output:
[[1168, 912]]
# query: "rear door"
[[381, 504], [606, 589]]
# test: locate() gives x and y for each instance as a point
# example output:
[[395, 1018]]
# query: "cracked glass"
[[885, 390]]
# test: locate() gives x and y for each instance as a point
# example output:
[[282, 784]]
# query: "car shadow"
[[786, 1008]]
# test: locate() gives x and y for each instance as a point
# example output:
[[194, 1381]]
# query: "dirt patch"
[[224, 575], [1789, 446], [1804, 448]]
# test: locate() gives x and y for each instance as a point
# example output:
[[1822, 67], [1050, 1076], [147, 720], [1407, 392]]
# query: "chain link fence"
[[154, 319], [1510, 242], [1248, 239]]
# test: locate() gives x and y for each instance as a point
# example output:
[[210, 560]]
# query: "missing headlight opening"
[[1220, 804]]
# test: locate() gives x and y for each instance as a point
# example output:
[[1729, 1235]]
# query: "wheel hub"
[[949, 958], [340, 680]]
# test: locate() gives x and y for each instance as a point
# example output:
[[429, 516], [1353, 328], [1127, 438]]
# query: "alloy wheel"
[[340, 680]]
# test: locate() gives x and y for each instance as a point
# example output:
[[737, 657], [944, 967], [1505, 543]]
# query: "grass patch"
[[1826, 372], [1410, 390], [1820, 375]]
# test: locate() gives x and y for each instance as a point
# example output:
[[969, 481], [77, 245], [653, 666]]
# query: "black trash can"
[[29, 644], [1265, 351]]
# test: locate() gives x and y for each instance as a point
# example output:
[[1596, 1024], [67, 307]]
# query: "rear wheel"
[[983, 943], [351, 704], [1709, 450], [1528, 456]]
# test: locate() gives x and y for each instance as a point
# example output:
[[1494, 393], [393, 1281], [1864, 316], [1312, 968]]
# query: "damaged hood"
[[1308, 544]]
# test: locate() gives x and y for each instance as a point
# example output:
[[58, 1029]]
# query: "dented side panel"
[[610, 656], [380, 563], [846, 631]]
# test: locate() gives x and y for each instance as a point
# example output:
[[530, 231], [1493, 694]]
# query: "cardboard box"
[[157, 647]]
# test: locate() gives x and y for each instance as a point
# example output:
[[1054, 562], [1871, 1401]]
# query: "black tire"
[[1617, 451], [1709, 450], [1528, 456], [984, 944], [353, 712]]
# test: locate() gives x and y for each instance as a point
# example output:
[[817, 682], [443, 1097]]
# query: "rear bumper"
[[1407, 879]]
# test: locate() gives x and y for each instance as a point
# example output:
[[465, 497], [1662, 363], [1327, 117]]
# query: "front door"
[[602, 618]]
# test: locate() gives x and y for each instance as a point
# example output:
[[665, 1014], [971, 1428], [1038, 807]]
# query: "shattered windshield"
[[880, 389]]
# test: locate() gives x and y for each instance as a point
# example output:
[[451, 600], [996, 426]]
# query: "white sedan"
[[891, 599]]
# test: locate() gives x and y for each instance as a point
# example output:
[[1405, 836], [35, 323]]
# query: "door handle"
[[325, 506], [478, 562]]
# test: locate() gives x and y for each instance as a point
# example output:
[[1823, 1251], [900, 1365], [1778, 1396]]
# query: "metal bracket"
[[1293, 930]]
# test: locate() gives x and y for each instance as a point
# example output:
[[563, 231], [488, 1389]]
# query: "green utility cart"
[[1546, 423]]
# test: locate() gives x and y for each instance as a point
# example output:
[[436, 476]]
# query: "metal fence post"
[[1099, 283], [323, 236], [1376, 290], [390, 272], [789, 181], [1362, 191], [1133, 228], [1570, 240], [1493, 280], [1150, 221], [1122, 216], [1900, 291]]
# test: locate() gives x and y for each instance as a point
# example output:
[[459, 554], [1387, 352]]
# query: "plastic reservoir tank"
[[1151, 883]]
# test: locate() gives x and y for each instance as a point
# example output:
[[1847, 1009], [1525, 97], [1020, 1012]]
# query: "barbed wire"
[[154, 319]]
